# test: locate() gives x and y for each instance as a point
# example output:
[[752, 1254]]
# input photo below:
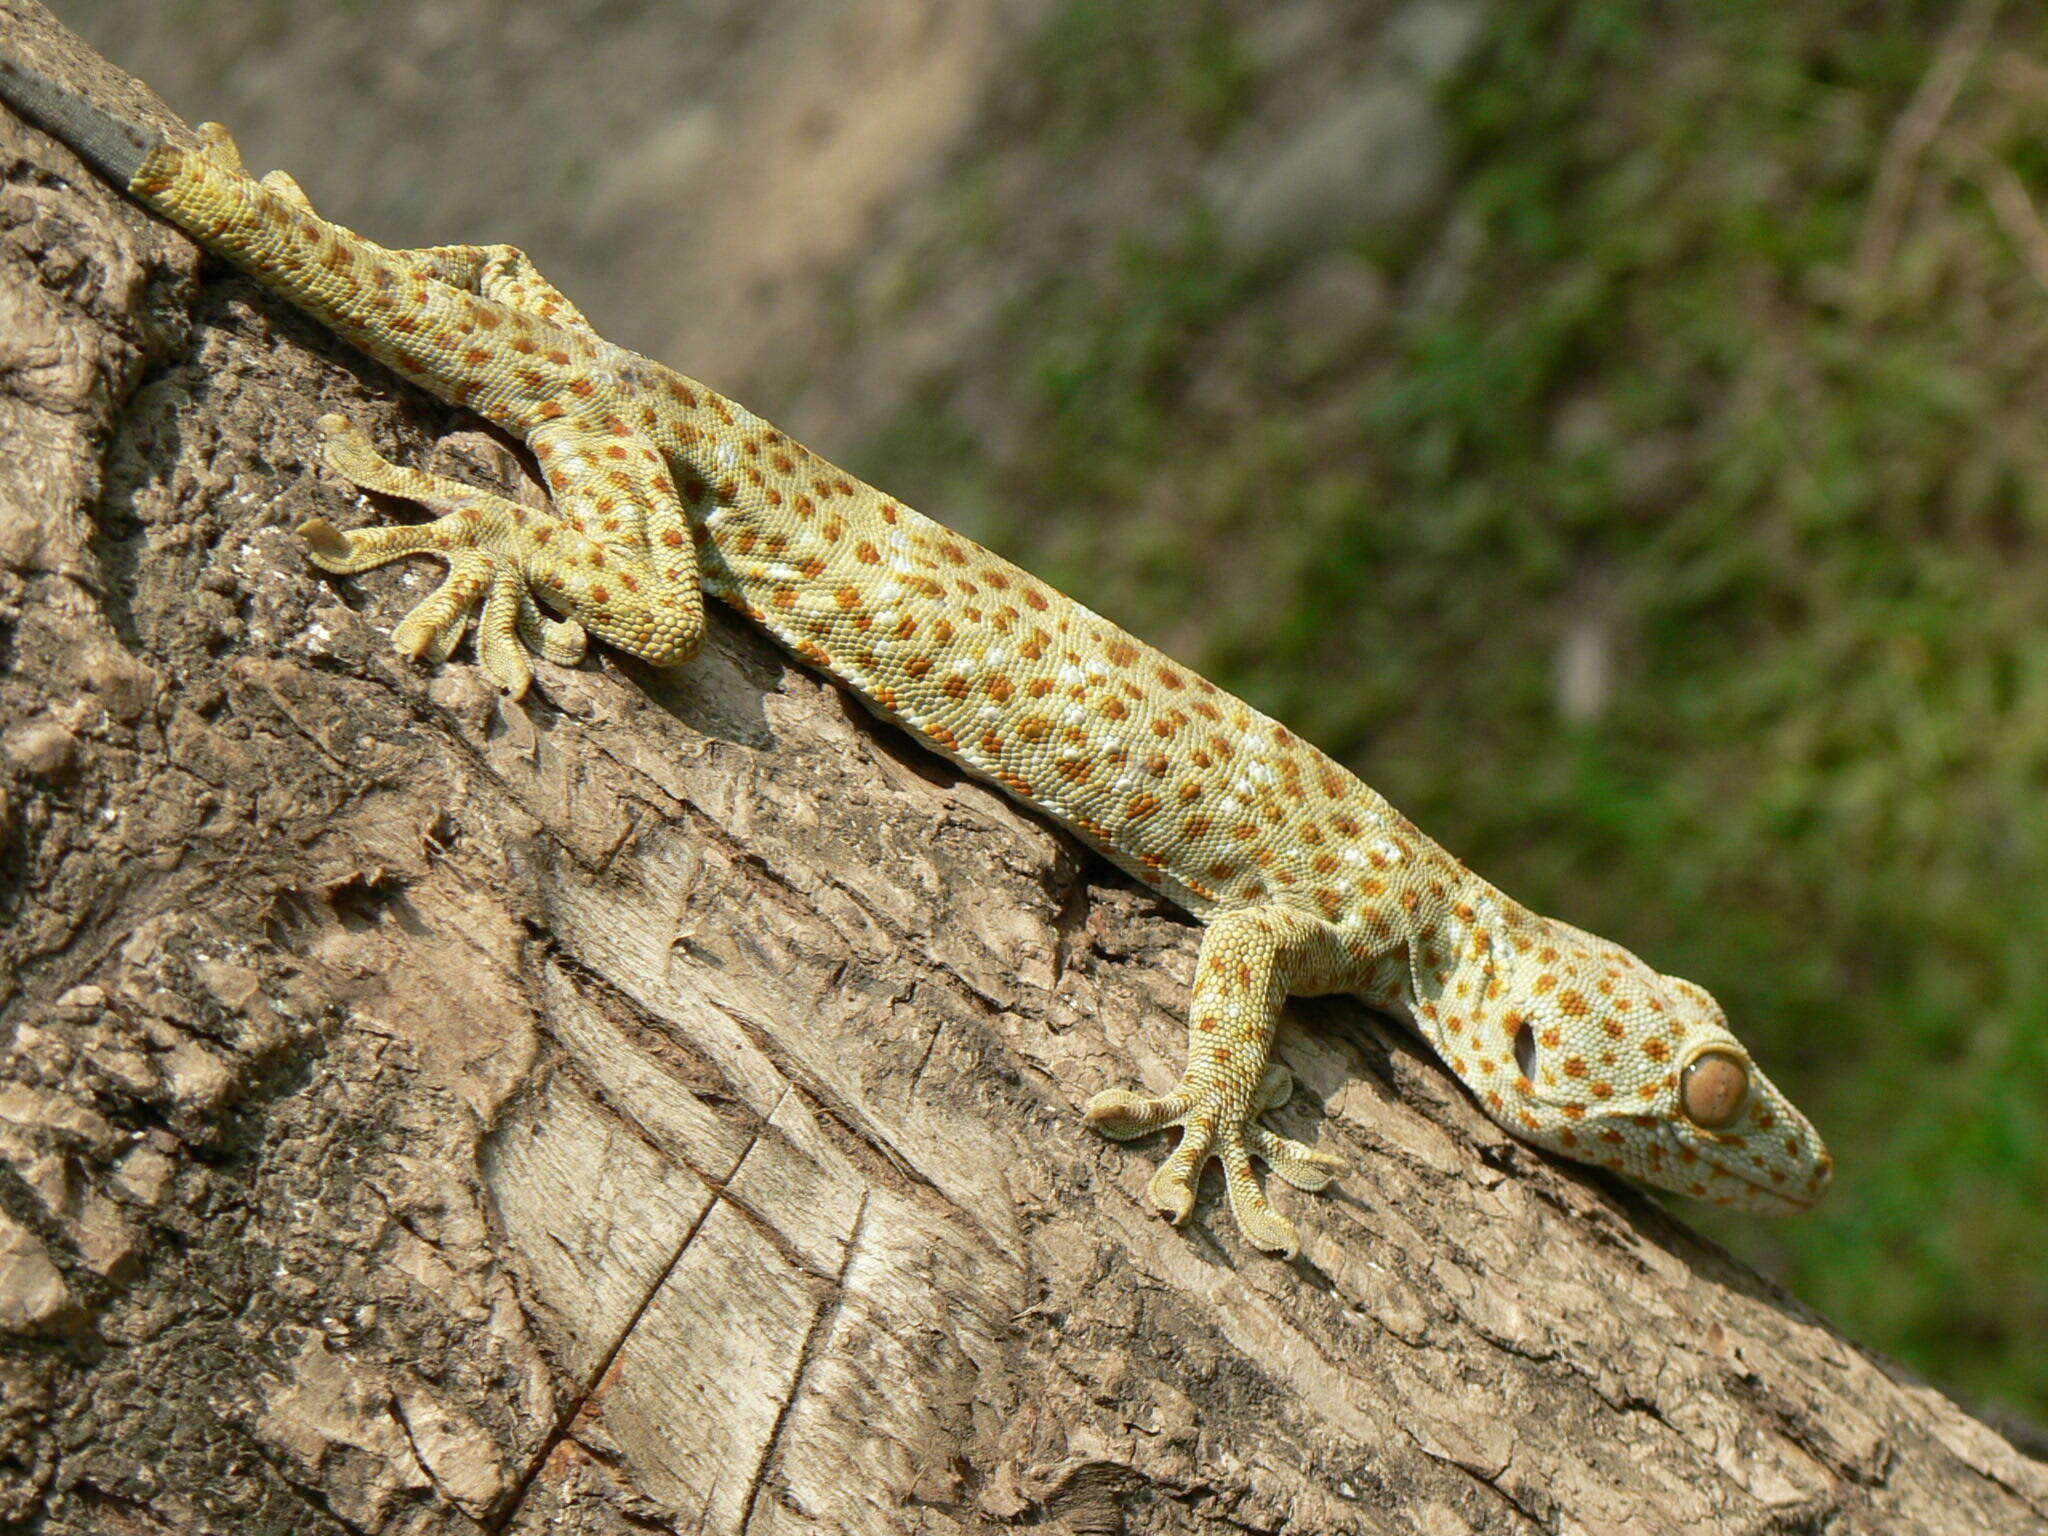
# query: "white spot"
[[1387, 849], [783, 572], [1070, 675], [727, 455]]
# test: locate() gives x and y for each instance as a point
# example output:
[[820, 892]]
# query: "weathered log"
[[654, 1106]]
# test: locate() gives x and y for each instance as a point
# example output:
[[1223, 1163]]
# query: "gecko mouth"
[[1787, 1199], [1776, 1201]]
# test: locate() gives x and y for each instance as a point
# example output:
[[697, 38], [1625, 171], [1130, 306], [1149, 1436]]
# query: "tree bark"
[[654, 1106]]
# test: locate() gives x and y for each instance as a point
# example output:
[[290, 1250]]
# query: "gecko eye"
[[1525, 1051], [1713, 1088]]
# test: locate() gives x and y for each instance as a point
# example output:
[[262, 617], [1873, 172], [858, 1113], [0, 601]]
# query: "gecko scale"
[[663, 491]]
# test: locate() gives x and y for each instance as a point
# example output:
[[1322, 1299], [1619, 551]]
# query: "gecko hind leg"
[[470, 534], [501, 272], [622, 568]]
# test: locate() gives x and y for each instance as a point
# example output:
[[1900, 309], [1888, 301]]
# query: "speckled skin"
[[1309, 881]]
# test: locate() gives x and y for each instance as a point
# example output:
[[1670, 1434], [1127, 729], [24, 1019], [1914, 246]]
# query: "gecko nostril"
[[1525, 1051]]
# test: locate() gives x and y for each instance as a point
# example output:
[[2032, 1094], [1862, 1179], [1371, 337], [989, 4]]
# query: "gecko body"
[[663, 491]]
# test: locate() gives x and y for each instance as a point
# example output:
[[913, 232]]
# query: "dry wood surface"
[[654, 1106]]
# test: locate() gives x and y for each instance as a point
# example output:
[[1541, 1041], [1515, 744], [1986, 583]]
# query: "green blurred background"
[[1614, 428]]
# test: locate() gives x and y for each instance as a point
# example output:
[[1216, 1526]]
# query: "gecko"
[[663, 492]]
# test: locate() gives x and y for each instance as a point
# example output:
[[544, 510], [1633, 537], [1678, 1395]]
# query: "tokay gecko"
[[664, 492]]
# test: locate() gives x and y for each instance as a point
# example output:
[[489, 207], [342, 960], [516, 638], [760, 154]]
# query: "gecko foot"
[[470, 536], [1210, 1128]]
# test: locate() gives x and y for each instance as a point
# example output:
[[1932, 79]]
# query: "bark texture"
[[655, 1106]]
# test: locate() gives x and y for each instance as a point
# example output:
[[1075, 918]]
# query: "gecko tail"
[[114, 148]]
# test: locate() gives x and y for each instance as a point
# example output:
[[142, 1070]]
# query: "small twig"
[[1914, 131], [2010, 204]]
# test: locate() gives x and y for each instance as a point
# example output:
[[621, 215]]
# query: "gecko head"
[[1617, 1065]]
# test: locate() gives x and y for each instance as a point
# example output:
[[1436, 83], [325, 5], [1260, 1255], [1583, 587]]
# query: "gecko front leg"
[[1252, 960]]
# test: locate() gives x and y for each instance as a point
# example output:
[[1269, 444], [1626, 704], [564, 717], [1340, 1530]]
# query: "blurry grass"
[[1103, 62], [1808, 513]]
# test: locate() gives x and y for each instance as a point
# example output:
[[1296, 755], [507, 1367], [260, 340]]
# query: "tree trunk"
[[655, 1106]]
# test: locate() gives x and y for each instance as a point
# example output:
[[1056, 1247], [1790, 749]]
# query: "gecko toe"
[[435, 626], [1302, 1166], [1172, 1186], [1275, 1088], [218, 145], [498, 645], [1122, 1115], [561, 641], [325, 541], [286, 186], [1264, 1228]]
